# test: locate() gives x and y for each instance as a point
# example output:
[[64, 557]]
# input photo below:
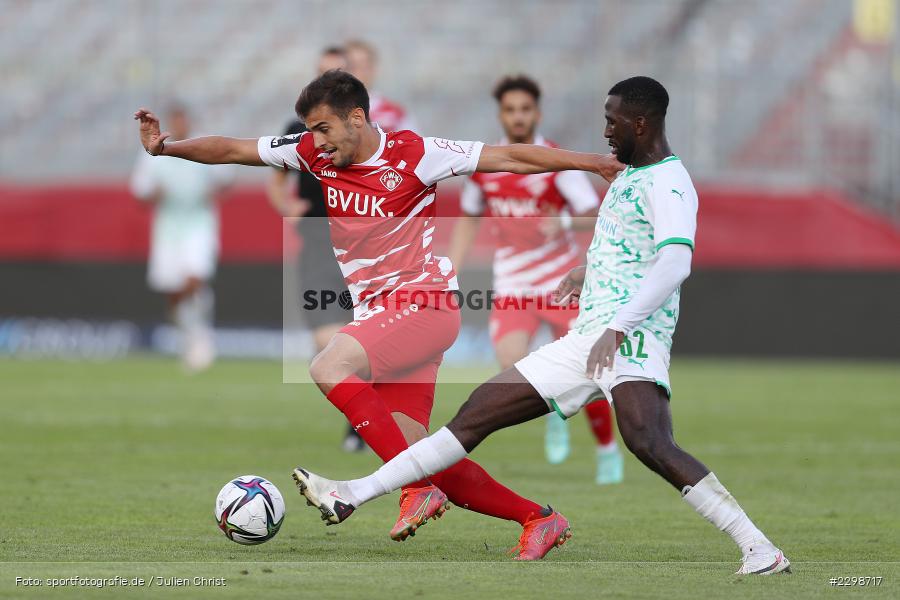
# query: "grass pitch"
[[111, 469]]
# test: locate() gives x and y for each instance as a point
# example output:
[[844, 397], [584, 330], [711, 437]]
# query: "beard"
[[342, 160], [624, 154], [516, 137]]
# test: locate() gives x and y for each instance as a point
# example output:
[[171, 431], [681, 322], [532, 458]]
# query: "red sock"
[[367, 412], [469, 486], [599, 417], [369, 415]]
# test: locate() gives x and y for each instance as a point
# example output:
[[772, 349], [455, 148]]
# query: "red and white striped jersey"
[[381, 211], [526, 260], [389, 115]]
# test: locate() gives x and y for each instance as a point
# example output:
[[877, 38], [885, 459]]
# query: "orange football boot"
[[417, 505], [542, 534]]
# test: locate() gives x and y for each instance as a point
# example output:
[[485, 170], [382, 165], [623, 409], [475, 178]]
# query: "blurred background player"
[[362, 62], [532, 217], [318, 269], [184, 243]]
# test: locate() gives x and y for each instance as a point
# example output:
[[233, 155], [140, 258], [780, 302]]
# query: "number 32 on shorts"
[[628, 350]]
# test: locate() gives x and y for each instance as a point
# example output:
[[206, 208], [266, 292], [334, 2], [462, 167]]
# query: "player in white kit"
[[629, 293], [531, 218], [184, 244]]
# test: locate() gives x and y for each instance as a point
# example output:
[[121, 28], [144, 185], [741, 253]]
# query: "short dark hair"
[[334, 51], [337, 89], [517, 82], [644, 94]]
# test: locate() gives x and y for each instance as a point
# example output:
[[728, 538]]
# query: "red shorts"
[[411, 394], [513, 313], [405, 343]]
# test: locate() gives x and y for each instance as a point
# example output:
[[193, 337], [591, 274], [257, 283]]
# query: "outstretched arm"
[[526, 159], [211, 149]]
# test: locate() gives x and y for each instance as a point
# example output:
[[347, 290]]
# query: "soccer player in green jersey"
[[628, 295]]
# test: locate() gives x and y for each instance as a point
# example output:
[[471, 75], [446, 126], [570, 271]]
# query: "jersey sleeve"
[[471, 199], [144, 182], [576, 188], [281, 151], [673, 211], [446, 158]]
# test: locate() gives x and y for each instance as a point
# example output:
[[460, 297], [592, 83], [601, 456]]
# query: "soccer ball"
[[249, 510]]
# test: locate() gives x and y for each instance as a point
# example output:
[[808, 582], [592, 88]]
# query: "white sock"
[[205, 302], [423, 459], [182, 315], [608, 448], [714, 503]]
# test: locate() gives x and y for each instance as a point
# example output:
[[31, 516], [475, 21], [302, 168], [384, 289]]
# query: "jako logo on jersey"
[[363, 205], [360, 426], [327, 173], [391, 179], [514, 207]]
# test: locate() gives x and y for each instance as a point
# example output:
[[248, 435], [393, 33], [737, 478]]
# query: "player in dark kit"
[[380, 369]]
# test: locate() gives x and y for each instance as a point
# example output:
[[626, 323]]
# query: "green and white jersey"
[[644, 209], [186, 206]]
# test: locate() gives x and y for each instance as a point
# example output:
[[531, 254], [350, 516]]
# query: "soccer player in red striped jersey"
[[380, 369], [531, 218]]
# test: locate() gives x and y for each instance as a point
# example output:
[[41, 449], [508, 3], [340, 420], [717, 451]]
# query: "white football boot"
[[764, 559], [323, 494]]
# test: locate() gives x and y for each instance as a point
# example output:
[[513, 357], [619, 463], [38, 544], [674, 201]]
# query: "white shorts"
[[174, 261], [556, 370]]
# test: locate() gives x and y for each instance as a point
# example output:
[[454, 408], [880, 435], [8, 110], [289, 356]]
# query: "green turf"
[[112, 468]]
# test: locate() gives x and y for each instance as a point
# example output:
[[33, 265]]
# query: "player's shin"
[[423, 459], [368, 414], [716, 504]]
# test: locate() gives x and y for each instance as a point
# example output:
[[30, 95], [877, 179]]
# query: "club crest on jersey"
[[390, 179]]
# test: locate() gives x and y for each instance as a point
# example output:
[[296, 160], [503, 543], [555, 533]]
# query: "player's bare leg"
[[645, 422], [322, 336], [341, 370], [511, 348], [505, 400], [342, 357]]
